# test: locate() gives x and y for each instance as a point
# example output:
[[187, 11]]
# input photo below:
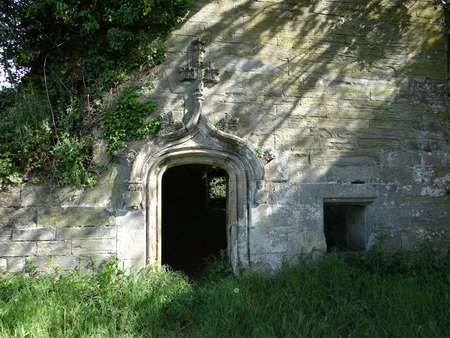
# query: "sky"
[[4, 83]]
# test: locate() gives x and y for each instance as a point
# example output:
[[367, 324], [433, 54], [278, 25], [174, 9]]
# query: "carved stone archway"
[[198, 141], [203, 144]]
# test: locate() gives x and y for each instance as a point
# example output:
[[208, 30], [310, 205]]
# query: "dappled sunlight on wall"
[[345, 102]]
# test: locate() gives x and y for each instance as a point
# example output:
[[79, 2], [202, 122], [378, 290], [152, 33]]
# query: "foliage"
[[217, 267], [61, 56], [84, 40], [259, 152], [218, 187], [103, 303], [128, 120], [29, 144], [330, 296], [70, 165]]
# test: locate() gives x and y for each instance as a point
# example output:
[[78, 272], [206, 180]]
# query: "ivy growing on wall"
[[128, 120]]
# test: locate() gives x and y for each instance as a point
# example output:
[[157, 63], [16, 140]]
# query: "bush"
[[69, 53]]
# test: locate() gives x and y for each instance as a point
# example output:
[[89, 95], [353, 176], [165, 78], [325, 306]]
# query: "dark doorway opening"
[[194, 198], [344, 226]]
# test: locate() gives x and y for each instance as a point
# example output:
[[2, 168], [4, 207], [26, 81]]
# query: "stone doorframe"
[[202, 144]]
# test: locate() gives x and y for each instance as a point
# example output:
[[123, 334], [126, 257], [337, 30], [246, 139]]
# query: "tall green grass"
[[374, 295]]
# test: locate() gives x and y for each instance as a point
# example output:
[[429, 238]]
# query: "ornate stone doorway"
[[241, 188], [196, 141]]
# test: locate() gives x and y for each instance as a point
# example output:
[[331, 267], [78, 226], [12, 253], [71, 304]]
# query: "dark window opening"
[[344, 227], [194, 200]]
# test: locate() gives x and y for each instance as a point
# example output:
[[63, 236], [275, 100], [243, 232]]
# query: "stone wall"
[[345, 102]]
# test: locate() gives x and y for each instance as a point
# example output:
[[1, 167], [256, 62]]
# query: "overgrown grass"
[[329, 297]]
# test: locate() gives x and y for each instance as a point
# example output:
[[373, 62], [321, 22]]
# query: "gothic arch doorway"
[[195, 140], [194, 218], [200, 144], [236, 210]]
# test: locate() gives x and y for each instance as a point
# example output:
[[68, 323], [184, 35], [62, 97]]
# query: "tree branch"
[[48, 97]]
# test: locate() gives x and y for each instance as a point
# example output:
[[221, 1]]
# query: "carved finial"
[[196, 71]]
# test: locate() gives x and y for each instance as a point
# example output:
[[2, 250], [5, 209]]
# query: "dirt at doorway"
[[193, 216]]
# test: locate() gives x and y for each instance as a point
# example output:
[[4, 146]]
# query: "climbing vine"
[[128, 120]]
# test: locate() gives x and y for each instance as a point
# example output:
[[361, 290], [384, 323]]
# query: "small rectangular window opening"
[[344, 226]]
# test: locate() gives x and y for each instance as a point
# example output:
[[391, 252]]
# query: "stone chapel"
[[289, 128]]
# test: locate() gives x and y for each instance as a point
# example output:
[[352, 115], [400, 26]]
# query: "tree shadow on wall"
[[331, 83], [326, 82], [311, 60]]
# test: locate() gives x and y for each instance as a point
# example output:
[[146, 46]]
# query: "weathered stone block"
[[33, 234], [383, 93], [385, 143], [344, 158], [291, 141], [72, 197], [423, 144], [85, 233], [276, 168], [247, 65], [290, 214], [50, 264], [340, 143], [396, 175], [430, 128], [131, 244], [16, 264], [430, 176], [131, 220], [192, 29], [62, 248], [415, 237], [18, 218], [268, 240], [262, 142], [304, 243], [339, 191], [350, 125], [131, 235], [293, 114], [9, 196], [74, 217], [400, 158], [392, 217], [17, 249], [5, 235], [356, 175], [36, 195], [314, 242], [431, 210], [93, 247], [266, 262], [264, 215]]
